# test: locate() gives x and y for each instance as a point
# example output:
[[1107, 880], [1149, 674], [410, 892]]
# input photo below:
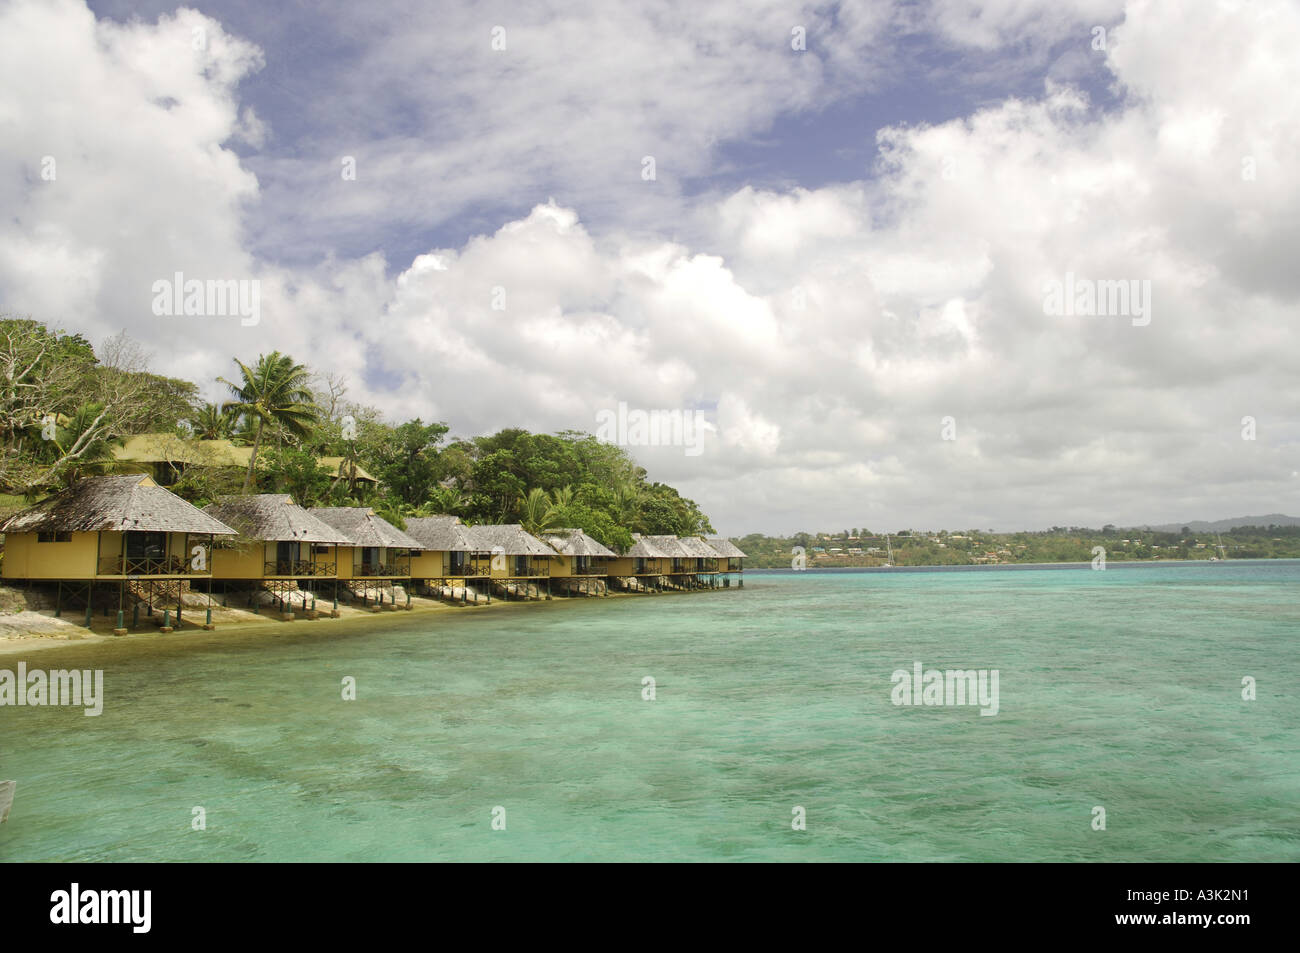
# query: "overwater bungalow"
[[702, 563], [282, 547], [121, 533], [676, 561], [450, 558], [732, 565], [518, 563], [378, 556], [581, 563], [643, 567]]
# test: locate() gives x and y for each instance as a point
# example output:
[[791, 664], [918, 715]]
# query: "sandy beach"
[[32, 631]]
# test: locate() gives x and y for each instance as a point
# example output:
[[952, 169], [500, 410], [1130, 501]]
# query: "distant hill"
[[1220, 526]]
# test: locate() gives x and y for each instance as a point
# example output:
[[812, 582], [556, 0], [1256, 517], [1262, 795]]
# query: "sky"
[[842, 233]]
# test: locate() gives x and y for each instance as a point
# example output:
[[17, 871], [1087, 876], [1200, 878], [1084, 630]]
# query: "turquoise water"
[[1119, 689]]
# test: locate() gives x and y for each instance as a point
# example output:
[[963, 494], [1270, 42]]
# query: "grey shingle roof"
[[670, 546], [119, 503], [511, 538], [575, 542], [644, 547], [698, 547], [442, 534], [274, 516], [725, 547], [363, 527]]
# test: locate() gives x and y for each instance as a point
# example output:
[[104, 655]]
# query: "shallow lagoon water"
[[1120, 689]]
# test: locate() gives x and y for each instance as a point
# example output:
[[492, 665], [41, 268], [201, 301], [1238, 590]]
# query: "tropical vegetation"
[[65, 407]]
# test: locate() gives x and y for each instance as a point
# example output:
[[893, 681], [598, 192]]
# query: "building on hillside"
[[166, 457]]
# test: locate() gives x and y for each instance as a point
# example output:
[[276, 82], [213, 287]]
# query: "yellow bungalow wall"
[[430, 564], [342, 558], [626, 566], [25, 558]]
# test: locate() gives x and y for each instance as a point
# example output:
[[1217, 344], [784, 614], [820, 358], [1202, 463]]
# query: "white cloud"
[[832, 327]]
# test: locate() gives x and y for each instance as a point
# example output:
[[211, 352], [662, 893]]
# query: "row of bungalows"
[[299, 554], [124, 541], [470, 563]]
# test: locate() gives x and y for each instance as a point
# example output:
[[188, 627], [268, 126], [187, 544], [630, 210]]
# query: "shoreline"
[[61, 633]]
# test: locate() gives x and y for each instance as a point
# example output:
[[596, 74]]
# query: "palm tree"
[[212, 422], [537, 513], [443, 499], [627, 505], [275, 391]]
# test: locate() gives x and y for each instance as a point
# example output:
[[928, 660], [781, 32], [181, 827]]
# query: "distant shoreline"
[[990, 567]]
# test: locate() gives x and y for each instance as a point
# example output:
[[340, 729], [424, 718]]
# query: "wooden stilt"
[[120, 628]]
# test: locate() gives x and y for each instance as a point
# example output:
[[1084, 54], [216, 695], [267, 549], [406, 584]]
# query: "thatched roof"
[[363, 527], [126, 502], [698, 547], [445, 534], [644, 547], [338, 467], [169, 448], [575, 542], [511, 539], [274, 517], [670, 546], [725, 547]]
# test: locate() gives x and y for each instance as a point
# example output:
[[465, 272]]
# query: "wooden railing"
[[399, 567], [146, 566], [298, 567], [530, 570]]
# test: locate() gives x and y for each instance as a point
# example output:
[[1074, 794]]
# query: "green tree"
[[406, 461], [298, 474]]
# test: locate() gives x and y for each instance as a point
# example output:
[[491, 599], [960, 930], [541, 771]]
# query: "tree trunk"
[[252, 459]]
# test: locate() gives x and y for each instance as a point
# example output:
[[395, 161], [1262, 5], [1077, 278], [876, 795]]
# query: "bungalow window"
[[457, 562], [44, 537], [146, 545], [521, 565]]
